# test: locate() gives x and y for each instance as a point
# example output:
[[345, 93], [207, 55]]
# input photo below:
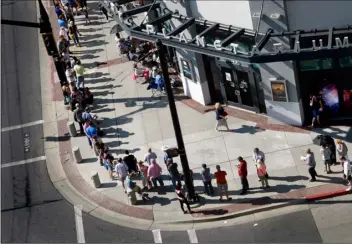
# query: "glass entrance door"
[[245, 92], [230, 85]]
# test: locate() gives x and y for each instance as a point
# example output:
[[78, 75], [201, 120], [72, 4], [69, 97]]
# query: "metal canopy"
[[257, 55]]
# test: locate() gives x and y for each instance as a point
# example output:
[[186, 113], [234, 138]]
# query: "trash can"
[[96, 179]]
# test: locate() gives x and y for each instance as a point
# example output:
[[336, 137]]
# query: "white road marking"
[[157, 236], [79, 224], [192, 236], [15, 127], [27, 161]]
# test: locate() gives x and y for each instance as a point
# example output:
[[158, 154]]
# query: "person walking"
[[173, 171], [316, 103], [182, 198], [342, 149], [221, 181], [144, 173], [79, 69], [310, 161], [149, 156], [242, 173], [131, 163], [154, 173], [261, 171], [206, 177], [221, 117], [121, 170], [347, 172], [326, 157], [104, 11]]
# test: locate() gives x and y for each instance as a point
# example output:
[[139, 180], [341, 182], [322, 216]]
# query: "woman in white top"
[[64, 32], [347, 172]]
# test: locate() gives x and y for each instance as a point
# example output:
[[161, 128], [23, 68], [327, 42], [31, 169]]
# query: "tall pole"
[[180, 144]]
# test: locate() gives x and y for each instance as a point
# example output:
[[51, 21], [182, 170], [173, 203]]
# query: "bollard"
[[131, 195], [71, 128], [76, 155], [96, 179]]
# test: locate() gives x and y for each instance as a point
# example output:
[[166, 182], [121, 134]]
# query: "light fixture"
[[256, 15]]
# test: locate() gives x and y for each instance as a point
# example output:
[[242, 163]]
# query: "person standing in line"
[[133, 187], [86, 16], [64, 32], [261, 171], [174, 173], [182, 198], [85, 126], [61, 21], [144, 171], [310, 161], [149, 155], [77, 115], [242, 173], [206, 176], [74, 32], [347, 172], [342, 149], [108, 160], [221, 117], [222, 183], [326, 156], [258, 155], [154, 173], [79, 70], [121, 170], [131, 163]]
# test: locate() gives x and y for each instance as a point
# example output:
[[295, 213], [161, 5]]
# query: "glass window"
[[316, 64], [345, 62]]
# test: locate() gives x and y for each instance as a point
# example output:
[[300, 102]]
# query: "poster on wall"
[[278, 89], [228, 76], [186, 69]]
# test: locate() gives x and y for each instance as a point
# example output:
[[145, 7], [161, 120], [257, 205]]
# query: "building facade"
[[252, 86], [265, 57]]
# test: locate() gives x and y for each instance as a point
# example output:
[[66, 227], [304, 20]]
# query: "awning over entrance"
[[226, 40]]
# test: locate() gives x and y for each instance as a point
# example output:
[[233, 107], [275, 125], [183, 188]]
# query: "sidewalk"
[[135, 121]]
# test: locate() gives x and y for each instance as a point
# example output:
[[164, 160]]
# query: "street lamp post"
[[180, 144]]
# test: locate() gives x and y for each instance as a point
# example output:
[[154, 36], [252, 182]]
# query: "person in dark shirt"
[[182, 198], [317, 107], [131, 162], [174, 173], [221, 117]]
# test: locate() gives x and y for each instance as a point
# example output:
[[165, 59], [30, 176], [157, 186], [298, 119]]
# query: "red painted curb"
[[327, 195]]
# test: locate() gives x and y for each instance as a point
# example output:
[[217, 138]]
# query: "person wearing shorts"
[[121, 170], [326, 157], [221, 181]]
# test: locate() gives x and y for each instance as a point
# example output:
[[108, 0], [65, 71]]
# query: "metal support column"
[[175, 121]]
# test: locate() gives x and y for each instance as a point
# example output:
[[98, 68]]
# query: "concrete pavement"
[[135, 121]]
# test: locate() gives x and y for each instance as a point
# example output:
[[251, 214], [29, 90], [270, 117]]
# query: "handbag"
[[266, 176]]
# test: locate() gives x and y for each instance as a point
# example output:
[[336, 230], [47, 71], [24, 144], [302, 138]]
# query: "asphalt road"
[[32, 209]]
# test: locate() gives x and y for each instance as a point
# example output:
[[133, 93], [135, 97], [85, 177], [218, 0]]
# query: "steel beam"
[[232, 37], [160, 19], [20, 23], [265, 39], [140, 9], [331, 30], [206, 31], [182, 27]]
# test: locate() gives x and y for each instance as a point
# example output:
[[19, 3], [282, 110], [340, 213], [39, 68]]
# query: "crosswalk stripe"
[[157, 236], [27, 161], [192, 236], [79, 224]]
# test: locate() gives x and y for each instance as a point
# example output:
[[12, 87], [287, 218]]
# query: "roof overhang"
[[175, 38]]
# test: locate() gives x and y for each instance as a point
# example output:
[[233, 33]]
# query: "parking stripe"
[[15, 127], [192, 236], [27, 161], [79, 224], [157, 236]]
